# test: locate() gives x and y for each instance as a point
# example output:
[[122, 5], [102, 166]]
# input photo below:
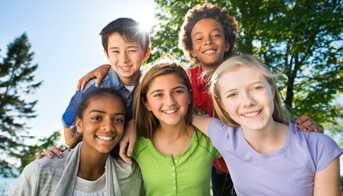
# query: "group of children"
[[168, 116]]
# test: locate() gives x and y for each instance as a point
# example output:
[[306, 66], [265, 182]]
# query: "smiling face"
[[125, 57], [247, 97], [168, 99], [208, 42], [102, 123]]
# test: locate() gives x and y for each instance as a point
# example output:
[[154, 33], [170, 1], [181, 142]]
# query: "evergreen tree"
[[17, 83]]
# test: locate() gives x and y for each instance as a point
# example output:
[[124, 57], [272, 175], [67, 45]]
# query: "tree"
[[16, 83], [300, 39]]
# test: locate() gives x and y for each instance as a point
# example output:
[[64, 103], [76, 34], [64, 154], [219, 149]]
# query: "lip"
[[209, 51], [251, 114], [105, 138], [170, 111]]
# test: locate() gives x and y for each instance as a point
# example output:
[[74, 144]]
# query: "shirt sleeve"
[[68, 117], [324, 150], [220, 134]]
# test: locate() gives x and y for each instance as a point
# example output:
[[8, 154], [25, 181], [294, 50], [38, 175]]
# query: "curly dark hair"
[[205, 11]]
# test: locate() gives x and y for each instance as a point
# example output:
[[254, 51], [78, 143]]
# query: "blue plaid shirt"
[[110, 81]]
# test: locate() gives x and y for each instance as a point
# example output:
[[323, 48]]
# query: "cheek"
[[229, 107]]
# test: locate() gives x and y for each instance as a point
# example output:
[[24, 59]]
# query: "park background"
[[47, 45]]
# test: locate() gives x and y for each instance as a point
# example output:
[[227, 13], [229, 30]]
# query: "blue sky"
[[66, 42]]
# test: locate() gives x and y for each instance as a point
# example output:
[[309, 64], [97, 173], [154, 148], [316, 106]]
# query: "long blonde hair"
[[233, 63]]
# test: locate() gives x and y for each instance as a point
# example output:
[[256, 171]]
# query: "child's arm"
[[98, 73], [326, 182], [127, 143], [69, 136], [201, 122]]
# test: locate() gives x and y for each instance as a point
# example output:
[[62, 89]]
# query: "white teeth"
[[250, 114], [209, 51], [105, 138], [169, 111]]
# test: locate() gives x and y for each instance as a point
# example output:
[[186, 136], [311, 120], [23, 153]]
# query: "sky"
[[66, 42], [65, 39]]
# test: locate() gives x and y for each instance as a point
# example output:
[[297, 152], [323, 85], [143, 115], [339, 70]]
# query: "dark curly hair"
[[205, 11]]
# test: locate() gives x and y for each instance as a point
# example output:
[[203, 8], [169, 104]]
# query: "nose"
[[247, 100], [208, 40], [169, 99], [124, 57], [108, 125]]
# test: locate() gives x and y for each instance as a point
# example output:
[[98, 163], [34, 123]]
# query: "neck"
[[209, 68], [130, 81], [92, 164], [267, 140], [172, 132]]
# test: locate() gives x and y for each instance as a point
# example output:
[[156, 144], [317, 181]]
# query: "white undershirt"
[[130, 88], [85, 187]]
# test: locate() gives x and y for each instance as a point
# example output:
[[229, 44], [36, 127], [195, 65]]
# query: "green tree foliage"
[[300, 39], [32, 151], [17, 82]]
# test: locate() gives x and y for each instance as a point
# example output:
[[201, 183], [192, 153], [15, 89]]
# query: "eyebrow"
[[100, 111], [196, 33], [161, 90], [253, 83]]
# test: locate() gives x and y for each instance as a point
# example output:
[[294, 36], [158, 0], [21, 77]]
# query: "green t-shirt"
[[186, 174]]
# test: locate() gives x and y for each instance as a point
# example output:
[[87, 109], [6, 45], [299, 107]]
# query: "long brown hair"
[[146, 122]]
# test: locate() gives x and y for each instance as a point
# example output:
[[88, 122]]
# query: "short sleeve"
[[324, 150], [220, 134]]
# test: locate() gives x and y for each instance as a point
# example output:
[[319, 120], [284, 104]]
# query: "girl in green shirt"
[[175, 158]]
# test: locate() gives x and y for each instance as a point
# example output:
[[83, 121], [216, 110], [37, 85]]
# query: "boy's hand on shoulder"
[[305, 123], [51, 153], [98, 73]]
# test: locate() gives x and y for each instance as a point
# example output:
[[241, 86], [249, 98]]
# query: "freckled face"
[[247, 97]]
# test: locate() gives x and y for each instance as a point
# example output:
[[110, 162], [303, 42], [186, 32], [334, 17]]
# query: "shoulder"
[[125, 170], [215, 126], [110, 80], [322, 148], [194, 72], [205, 143], [141, 145]]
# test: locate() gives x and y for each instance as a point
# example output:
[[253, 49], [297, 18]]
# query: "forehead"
[[106, 103], [207, 25], [165, 82], [118, 40], [240, 76]]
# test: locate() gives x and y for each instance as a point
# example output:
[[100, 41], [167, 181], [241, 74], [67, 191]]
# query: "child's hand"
[[127, 143], [305, 123], [98, 73], [51, 153]]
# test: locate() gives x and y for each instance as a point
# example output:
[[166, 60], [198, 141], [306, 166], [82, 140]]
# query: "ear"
[[78, 124], [227, 46], [147, 53]]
